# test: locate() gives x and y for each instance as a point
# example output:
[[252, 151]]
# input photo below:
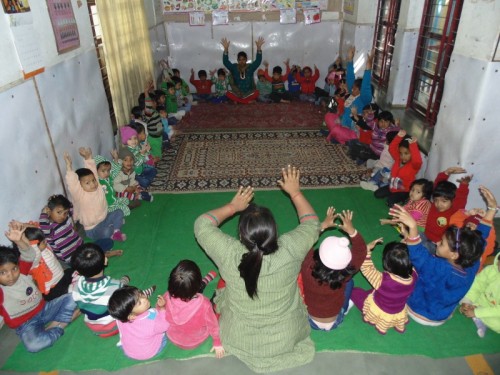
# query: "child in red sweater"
[[307, 82], [447, 200], [203, 86], [407, 162]]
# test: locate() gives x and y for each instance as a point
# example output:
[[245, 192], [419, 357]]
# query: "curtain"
[[127, 52]]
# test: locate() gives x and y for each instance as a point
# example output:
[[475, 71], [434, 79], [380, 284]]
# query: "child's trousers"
[[33, 333], [106, 228]]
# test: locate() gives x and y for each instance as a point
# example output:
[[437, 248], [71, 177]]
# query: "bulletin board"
[[176, 6]]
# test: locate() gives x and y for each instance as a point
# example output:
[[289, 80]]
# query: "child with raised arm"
[[142, 328], [38, 323], [190, 313], [264, 86], [125, 183], [384, 306], [444, 278], [407, 162], [90, 206], [221, 85], [106, 180], [327, 274], [278, 91], [307, 81], [446, 200], [203, 86]]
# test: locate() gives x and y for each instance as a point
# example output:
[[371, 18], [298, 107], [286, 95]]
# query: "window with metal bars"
[[436, 40], [385, 32], [97, 33]]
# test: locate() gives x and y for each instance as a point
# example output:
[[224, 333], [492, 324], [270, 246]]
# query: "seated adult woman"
[[242, 83], [360, 94], [263, 320]]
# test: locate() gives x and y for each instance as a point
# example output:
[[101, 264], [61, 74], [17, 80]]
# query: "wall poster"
[[64, 25]]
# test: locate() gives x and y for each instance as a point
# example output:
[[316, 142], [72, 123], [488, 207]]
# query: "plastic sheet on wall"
[[199, 47], [28, 167], [402, 68]]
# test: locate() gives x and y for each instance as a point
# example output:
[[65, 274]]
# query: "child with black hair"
[[185, 90], [221, 86], [407, 162], [190, 313], [145, 141], [264, 86], [446, 200], [293, 84], [38, 323], [278, 91], [418, 204], [183, 102], [444, 278], [381, 167], [93, 289], [384, 306], [379, 124], [106, 172], [142, 328], [203, 86], [90, 206], [326, 274], [52, 280], [125, 183], [171, 102], [307, 81], [169, 132]]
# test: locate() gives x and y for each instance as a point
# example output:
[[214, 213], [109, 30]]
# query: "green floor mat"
[[161, 233]]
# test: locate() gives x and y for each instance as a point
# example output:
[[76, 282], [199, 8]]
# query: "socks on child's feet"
[[481, 328], [148, 292], [124, 280], [206, 279], [118, 236], [145, 196]]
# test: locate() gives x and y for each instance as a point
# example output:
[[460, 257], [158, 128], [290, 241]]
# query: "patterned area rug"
[[257, 116], [225, 161]]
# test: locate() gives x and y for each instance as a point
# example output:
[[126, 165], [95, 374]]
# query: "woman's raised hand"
[[259, 42], [242, 199], [290, 181], [225, 43]]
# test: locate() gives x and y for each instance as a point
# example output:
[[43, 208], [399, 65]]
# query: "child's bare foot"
[[114, 253]]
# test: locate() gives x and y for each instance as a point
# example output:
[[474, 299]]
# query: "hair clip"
[[457, 240]]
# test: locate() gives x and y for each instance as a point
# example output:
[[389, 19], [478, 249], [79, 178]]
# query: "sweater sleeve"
[[478, 287], [358, 250], [461, 196], [369, 271], [416, 157], [212, 325], [394, 148], [366, 87], [350, 77]]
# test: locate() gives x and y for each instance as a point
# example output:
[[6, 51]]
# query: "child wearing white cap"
[[326, 274]]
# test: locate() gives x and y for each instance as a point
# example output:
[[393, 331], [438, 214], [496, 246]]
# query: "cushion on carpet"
[[160, 234]]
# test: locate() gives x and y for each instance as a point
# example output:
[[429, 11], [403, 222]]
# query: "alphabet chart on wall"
[[64, 25]]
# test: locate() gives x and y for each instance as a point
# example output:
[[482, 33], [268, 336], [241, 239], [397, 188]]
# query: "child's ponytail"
[[468, 243]]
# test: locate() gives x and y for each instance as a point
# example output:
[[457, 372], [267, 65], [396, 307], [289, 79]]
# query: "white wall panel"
[[466, 132], [10, 69], [76, 118], [28, 165]]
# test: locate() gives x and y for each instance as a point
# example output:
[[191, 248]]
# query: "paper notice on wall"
[[196, 18], [27, 43], [64, 25], [288, 16], [311, 16], [220, 17]]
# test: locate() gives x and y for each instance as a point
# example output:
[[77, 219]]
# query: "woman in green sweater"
[[263, 320]]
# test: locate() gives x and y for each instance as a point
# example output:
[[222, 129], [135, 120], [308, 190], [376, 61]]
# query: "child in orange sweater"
[[89, 200]]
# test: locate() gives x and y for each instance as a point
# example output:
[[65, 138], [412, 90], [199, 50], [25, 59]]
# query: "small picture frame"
[[312, 15], [220, 17], [288, 16], [196, 18]]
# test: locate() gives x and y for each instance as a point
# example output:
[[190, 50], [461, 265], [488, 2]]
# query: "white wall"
[[59, 110]]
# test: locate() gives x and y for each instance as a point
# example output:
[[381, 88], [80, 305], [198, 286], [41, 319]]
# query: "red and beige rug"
[[225, 161]]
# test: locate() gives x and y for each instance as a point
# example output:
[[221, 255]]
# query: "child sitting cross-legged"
[[444, 279], [125, 183], [38, 323], [203, 86], [384, 306], [106, 180], [190, 313], [50, 277], [278, 92], [221, 85], [264, 86], [142, 328], [93, 289], [91, 208]]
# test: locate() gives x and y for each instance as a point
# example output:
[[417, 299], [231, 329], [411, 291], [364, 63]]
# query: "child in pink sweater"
[[142, 328], [190, 313], [89, 200]]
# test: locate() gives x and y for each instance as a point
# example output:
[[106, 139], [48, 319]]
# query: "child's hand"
[[454, 170], [287, 62], [401, 133], [354, 111], [160, 302], [266, 64], [369, 59], [212, 72], [46, 210], [397, 122], [315, 67], [491, 202], [402, 216], [138, 189], [219, 351], [114, 154], [346, 225], [386, 222], [69, 162], [465, 180], [145, 148], [15, 233], [130, 189], [467, 310], [413, 140], [85, 152], [242, 198], [371, 245], [328, 221], [192, 71], [350, 53]]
